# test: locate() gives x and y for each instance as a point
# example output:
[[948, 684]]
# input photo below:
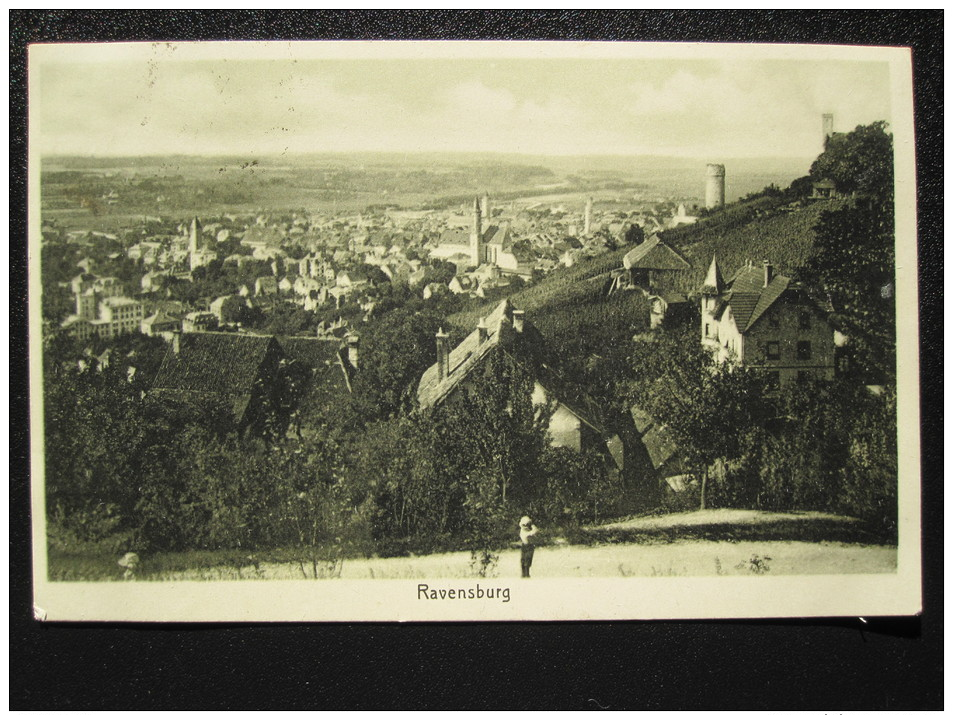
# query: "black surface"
[[817, 664]]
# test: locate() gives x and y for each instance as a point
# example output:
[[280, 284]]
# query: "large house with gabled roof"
[[263, 379], [761, 318], [575, 421]]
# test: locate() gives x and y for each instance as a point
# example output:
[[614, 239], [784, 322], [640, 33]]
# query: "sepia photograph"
[[390, 331]]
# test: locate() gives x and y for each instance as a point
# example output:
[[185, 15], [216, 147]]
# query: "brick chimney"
[[518, 320], [483, 331], [352, 345], [768, 273], [443, 355], [176, 344]]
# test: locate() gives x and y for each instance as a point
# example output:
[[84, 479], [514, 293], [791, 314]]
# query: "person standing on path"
[[528, 532]]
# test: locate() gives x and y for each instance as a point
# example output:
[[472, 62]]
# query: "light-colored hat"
[[129, 561], [525, 521]]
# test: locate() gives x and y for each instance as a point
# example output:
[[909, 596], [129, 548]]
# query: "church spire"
[[714, 284], [476, 236]]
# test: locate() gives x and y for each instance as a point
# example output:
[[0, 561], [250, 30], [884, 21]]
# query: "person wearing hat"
[[528, 532]]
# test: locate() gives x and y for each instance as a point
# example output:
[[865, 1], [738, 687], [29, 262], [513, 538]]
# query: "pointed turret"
[[712, 288], [714, 284]]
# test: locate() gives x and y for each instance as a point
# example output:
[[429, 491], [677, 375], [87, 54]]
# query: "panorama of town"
[[434, 368]]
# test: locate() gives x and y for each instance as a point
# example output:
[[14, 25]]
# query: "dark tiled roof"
[[768, 296], [313, 352], [572, 398], [464, 358], [659, 445], [331, 374], [455, 237], [495, 235], [749, 298], [654, 254], [672, 298], [220, 363]]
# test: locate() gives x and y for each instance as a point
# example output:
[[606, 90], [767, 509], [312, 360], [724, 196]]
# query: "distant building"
[[199, 322], [824, 189], [160, 323], [198, 255], [484, 243], [682, 218], [760, 318], [645, 266], [266, 285], [101, 309]]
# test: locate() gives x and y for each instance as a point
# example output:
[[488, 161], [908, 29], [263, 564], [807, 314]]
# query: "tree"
[[396, 349], [235, 309], [414, 501], [706, 407], [634, 234], [859, 161], [853, 264]]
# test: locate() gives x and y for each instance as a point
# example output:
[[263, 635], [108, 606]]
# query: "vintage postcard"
[[411, 331]]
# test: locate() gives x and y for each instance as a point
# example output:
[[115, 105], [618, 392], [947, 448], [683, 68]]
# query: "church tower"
[[194, 230], [476, 236], [587, 227], [485, 207]]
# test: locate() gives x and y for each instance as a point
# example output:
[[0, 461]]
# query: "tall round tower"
[[827, 127], [715, 186]]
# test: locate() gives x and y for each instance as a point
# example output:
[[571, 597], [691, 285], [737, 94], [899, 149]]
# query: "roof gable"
[[469, 353], [654, 254], [749, 298]]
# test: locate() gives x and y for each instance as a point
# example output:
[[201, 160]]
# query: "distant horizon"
[[435, 153]]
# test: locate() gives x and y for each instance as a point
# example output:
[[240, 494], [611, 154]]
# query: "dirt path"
[[687, 558]]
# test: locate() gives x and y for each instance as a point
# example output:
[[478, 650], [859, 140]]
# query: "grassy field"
[[710, 543]]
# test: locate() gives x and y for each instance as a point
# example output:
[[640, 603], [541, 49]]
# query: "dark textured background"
[[825, 664]]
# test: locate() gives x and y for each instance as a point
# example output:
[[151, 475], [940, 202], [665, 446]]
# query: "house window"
[[706, 329], [804, 320], [803, 377], [804, 350], [773, 350], [774, 320], [773, 380]]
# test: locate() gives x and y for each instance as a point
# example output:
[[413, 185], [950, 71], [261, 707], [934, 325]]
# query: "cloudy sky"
[[711, 108]]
